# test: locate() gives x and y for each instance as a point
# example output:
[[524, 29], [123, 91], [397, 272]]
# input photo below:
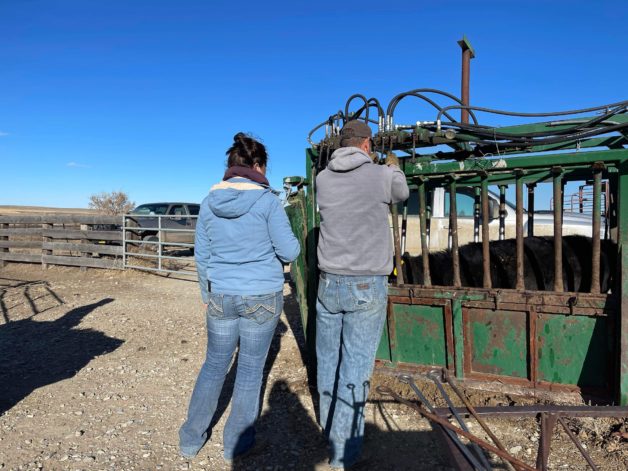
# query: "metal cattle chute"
[[556, 317]]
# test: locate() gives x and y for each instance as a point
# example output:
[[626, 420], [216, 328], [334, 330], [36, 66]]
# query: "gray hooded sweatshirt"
[[353, 195]]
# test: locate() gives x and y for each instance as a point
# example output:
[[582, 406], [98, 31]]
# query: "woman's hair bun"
[[239, 137]]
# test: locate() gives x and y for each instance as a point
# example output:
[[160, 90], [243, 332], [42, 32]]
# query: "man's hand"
[[391, 159], [205, 306]]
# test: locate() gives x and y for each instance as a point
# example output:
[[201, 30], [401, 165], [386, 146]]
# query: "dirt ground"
[[98, 366]]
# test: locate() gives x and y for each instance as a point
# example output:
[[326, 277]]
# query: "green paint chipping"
[[420, 334], [574, 350], [499, 343]]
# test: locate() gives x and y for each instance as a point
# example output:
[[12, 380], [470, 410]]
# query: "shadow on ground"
[[35, 354], [289, 437]]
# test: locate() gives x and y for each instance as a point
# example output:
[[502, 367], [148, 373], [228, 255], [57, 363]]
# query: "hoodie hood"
[[234, 197], [348, 158]]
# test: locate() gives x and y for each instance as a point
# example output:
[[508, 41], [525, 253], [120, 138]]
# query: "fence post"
[[3, 263], [45, 239], [84, 227]]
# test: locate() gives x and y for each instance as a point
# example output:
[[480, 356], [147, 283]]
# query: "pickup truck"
[[438, 200]]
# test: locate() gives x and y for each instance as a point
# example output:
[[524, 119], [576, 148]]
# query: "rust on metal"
[[467, 55], [424, 246], [519, 230], [531, 208], [453, 228], [595, 236], [450, 354], [576, 442], [532, 321], [384, 390], [548, 422], [486, 254], [395, 222], [558, 226]]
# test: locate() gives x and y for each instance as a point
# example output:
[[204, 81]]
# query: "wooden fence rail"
[[62, 239]]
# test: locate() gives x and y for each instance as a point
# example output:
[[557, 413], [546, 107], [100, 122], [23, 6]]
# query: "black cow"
[[538, 264]]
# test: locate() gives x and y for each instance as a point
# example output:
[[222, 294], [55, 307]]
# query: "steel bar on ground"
[[548, 422], [454, 386], [444, 423], [574, 439], [407, 379], [435, 377]]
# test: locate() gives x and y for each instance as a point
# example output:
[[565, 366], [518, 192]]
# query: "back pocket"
[[261, 308], [214, 306]]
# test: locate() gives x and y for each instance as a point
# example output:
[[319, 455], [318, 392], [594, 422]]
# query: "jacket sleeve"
[[399, 186], [284, 242], [202, 251]]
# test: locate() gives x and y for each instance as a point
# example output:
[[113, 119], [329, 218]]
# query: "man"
[[355, 258]]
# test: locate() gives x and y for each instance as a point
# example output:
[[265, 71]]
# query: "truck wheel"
[[150, 247]]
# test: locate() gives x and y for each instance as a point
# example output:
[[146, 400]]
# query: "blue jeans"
[[351, 311], [252, 321]]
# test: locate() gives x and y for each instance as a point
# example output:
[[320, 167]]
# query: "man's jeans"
[[252, 321], [350, 317]]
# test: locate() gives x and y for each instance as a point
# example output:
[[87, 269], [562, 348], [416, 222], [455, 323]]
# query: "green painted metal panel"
[[574, 350], [458, 333], [498, 342], [420, 332], [383, 350], [622, 340]]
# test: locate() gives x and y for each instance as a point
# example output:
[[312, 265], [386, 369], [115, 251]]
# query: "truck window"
[[151, 209], [177, 210], [194, 209], [464, 204]]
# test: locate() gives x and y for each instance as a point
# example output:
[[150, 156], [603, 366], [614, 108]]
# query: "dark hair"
[[246, 152]]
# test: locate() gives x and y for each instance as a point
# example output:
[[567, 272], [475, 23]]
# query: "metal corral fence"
[[163, 243]]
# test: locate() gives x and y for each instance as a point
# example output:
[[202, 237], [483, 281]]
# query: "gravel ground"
[[98, 366]]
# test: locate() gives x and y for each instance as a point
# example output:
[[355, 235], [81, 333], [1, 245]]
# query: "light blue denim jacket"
[[242, 238]]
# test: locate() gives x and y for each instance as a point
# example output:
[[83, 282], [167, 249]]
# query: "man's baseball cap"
[[355, 128]]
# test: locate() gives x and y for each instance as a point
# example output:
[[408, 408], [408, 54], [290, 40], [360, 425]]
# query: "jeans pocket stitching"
[[215, 307]]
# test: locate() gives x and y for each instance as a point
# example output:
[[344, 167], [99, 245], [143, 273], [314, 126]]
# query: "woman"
[[242, 238]]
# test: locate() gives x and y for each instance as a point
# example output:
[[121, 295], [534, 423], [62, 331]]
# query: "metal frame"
[[160, 244], [590, 159]]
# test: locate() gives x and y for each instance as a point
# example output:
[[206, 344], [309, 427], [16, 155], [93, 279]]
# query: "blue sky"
[[145, 96]]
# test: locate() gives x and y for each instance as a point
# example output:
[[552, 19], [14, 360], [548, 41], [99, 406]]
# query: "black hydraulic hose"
[[329, 120], [576, 127], [433, 103], [534, 115], [396, 99], [353, 97], [557, 140], [375, 102]]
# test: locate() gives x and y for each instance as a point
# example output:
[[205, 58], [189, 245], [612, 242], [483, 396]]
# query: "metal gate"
[[160, 243]]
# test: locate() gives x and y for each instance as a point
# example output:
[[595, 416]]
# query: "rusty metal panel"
[[420, 334], [496, 342], [575, 350]]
